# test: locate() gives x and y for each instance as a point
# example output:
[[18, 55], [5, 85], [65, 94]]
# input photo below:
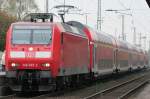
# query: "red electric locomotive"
[[41, 56]]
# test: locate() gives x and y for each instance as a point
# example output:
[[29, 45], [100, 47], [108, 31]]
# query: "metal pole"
[[140, 37], [99, 15], [64, 8], [123, 34], [64, 4], [47, 6], [144, 42], [149, 45], [86, 18], [134, 36]]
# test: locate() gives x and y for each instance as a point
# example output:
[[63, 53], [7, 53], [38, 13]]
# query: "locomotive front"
[[28, 56]]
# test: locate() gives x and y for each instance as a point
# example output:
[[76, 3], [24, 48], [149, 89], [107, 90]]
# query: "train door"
[[130, 60], [94, 56], [94, 60], [115, 59]]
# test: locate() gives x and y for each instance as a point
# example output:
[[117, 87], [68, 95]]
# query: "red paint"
[[75, 51]]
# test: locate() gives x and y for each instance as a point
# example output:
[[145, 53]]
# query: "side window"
[[72, 29], [67, 28]]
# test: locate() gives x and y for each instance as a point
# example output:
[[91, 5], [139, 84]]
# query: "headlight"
[[46, 65], [14, 64]]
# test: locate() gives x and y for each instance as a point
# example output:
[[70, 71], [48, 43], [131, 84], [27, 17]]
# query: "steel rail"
[[128, 93], [8, 97], [112, 88]]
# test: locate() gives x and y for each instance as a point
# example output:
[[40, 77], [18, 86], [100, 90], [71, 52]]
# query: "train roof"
[[123, 45], [72, 29], [31, 23], [101, 37], [104, 38], [78, 28]]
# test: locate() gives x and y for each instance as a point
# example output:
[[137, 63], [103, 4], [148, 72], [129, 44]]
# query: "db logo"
[[30, 54]]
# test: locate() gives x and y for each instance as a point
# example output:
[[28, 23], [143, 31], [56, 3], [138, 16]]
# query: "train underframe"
[[35, 80], [29, 80]]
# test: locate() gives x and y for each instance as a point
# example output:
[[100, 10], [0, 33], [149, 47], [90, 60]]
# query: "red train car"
[[41, 56], [103, 48]]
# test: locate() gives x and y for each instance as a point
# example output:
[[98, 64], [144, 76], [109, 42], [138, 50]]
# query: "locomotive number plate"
[[30, 54], [30, 65]]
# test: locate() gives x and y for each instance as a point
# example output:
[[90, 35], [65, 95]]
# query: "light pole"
[[134, 35], [140, 40], [149, 45], [122, 21], [86, 17], [123, 34], [99, 15]]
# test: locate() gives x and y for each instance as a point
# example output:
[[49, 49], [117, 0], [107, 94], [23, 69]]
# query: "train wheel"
[[60, 83], [75, 80], [5, 90]]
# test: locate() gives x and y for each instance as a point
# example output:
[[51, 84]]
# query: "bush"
[[5, 21]]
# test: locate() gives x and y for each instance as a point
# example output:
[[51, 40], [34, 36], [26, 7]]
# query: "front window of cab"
[[31, 34]]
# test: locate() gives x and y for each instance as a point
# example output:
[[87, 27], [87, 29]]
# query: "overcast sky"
[[111, 21]]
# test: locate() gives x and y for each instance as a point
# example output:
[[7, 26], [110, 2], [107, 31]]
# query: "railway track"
[[79, 93], [71, 95], [120, 91], [24, 96], [102, 94], [8, 97], [57, 95], [16, 96], [37, 96]]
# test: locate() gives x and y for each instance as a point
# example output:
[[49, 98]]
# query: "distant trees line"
[[11, 11]]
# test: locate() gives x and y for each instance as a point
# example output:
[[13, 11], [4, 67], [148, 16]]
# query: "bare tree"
[[20, 8], [1, 2]]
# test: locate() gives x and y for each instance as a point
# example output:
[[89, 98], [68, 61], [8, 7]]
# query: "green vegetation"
[[12, 10], [5, 21], [19, 8]]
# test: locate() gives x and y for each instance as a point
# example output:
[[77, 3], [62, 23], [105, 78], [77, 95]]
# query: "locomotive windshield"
[[31, 35]]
